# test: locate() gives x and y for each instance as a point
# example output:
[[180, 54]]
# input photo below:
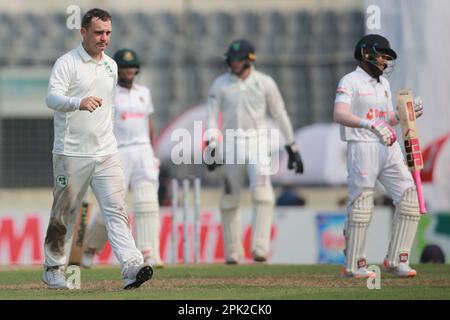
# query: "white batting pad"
[[147, 220], [355, 232], [405, 222], [231, 227], [263, 203]]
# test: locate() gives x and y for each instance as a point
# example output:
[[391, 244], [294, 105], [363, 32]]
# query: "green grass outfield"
[[231, 282]]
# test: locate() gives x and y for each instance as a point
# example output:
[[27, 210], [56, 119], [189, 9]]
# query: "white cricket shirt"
[[244, 103], [76, 75], [368, 99], [132, 108]]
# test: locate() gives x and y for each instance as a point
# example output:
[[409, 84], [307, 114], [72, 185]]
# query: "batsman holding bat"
[[363, 107]]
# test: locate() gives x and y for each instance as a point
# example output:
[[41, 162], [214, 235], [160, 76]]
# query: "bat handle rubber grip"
[[418, 182]]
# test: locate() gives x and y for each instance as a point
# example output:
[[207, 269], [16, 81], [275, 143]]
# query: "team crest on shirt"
[[61, 181], [141, 99], [108, 69]]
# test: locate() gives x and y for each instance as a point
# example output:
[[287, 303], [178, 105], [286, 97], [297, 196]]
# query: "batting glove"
[[382, 130], [295, 160], [418, 107]]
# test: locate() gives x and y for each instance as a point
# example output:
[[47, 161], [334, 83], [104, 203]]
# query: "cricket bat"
[[407, 115], [80, 231]]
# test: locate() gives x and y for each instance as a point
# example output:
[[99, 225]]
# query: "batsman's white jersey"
[[82, 133], [131, 127], [141, 168], [368, 98], [244, 103], [132, 108]]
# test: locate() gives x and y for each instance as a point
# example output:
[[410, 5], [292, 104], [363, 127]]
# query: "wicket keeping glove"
[[211, 150], [382, 130], [295, 160]]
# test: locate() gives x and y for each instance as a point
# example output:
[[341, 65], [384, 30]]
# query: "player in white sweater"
[[81, 92]]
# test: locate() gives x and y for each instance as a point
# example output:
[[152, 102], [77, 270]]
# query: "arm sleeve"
[[278, 112], [58, 87], [344, 91], [212, 111]]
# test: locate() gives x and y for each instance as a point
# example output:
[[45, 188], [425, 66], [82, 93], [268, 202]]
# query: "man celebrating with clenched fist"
[[81, 92]]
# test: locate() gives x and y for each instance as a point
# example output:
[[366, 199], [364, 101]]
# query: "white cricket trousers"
[[368, 162], [72, 177]]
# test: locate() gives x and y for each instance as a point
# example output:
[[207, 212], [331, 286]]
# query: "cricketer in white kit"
[[132, 128], [363, 107], [81, 92], [244, 96]]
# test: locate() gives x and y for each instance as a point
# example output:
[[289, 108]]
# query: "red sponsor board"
[[294, 237], [21, 240], [18, 240]]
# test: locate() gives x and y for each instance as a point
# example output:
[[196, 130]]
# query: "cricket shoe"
[[136, 274], [259, 257], [360, 273], [55, 278], [232, 259], [403, 270]]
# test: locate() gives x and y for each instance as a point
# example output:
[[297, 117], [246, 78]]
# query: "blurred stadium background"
[[307, 46]]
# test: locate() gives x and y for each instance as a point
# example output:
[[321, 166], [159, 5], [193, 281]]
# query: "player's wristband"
[[364, 123]]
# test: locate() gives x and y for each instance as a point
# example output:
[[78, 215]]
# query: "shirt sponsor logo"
[[375, 113], [131, 115]]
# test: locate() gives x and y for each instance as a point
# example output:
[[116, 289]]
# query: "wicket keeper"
[[244, 96]]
